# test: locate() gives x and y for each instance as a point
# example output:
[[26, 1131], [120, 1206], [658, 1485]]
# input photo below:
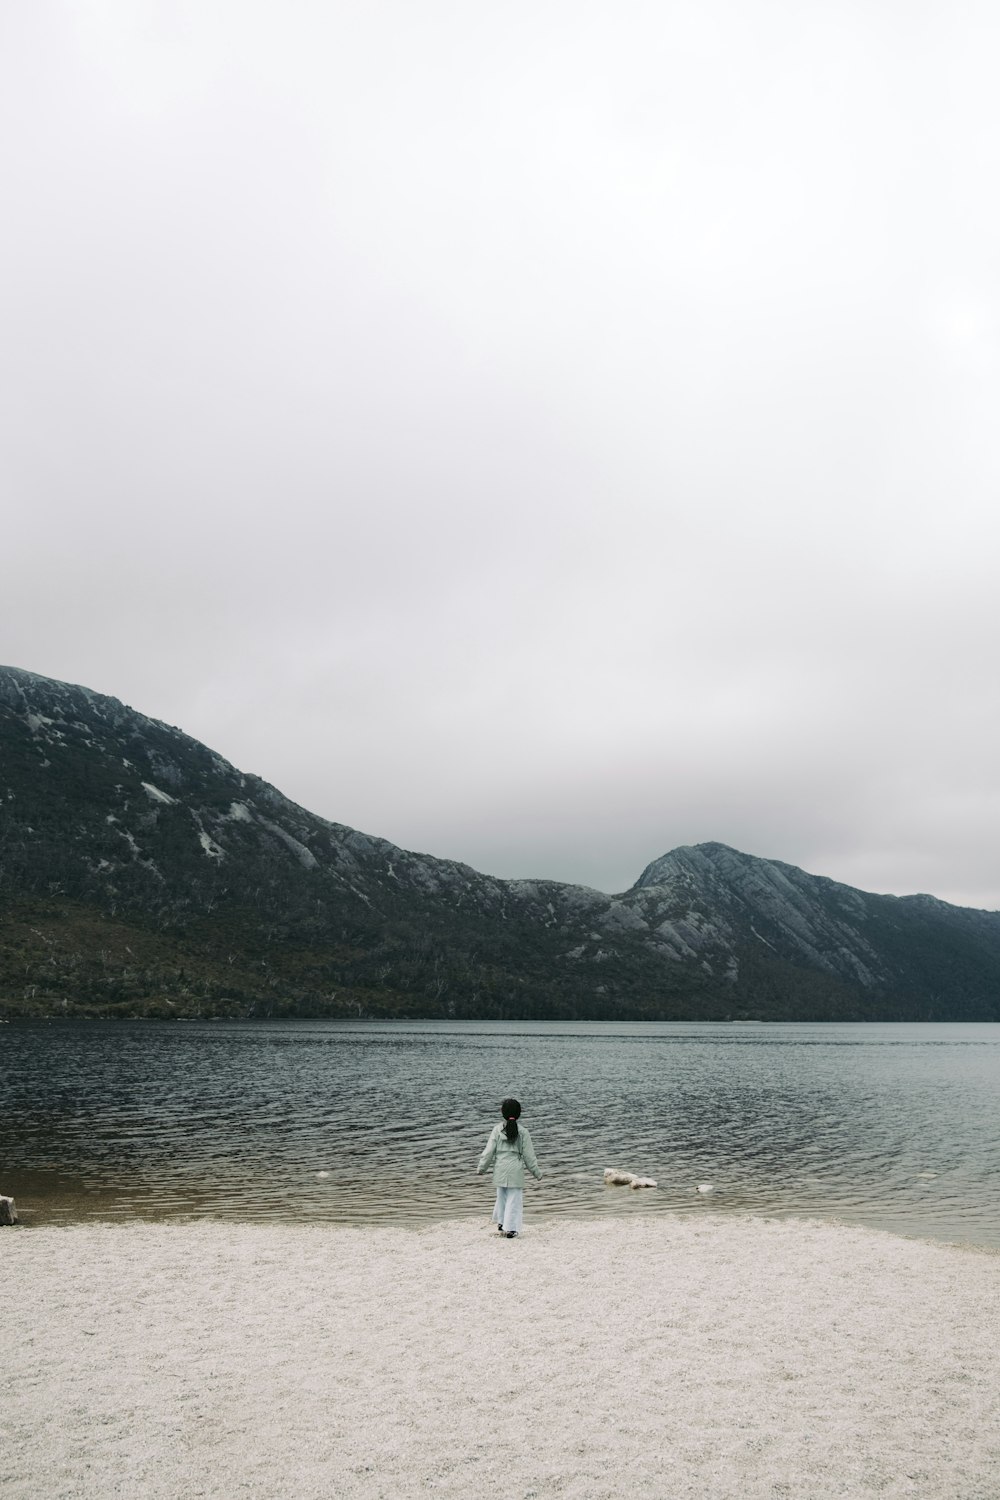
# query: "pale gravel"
[[706, 1356]]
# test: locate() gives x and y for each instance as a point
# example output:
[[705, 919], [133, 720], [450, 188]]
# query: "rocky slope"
[[140, 873]]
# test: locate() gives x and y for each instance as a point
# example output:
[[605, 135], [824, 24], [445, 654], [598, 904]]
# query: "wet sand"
[[708, 1357]]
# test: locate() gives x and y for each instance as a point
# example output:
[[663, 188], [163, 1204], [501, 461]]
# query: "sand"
[[709, 1356]]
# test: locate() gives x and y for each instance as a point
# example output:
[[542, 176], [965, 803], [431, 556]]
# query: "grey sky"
[[540, 435]]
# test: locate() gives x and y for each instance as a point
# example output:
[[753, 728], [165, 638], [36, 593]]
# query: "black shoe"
[[511, 1233]]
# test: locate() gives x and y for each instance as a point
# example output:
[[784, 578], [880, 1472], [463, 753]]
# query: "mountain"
[[142, 874]]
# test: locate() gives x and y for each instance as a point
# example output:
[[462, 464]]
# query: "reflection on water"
[[896, 1126]]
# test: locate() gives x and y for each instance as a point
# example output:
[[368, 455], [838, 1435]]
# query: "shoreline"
[[717, 1358], [72, 1211], [36, 1221]]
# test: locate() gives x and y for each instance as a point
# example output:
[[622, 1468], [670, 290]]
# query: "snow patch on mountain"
[[208, 844], [155, 795], [305, 856]]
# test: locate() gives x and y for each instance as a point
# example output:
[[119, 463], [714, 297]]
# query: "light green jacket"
[[509, 1158]]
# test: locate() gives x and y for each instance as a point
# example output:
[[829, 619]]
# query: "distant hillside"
[[142, 874]]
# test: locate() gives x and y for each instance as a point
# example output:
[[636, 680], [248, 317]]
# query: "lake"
[[895, 1126]]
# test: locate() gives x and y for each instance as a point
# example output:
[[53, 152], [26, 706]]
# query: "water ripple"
[[893, 1126]]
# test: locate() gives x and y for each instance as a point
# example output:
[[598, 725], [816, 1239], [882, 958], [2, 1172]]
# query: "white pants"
[[508, 1211]]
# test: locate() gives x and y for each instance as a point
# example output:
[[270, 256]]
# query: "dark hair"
[[510, 1109]]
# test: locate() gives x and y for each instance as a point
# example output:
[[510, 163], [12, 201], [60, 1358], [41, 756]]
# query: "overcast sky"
[[539, 434]]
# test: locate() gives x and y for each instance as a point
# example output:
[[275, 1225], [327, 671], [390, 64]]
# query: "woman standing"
[[508, 1152]]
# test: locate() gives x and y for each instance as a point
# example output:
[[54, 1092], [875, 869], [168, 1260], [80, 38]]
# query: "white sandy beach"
[[707, 1357]]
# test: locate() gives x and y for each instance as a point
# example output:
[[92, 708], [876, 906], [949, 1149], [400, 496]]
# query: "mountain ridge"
[[119, 832]]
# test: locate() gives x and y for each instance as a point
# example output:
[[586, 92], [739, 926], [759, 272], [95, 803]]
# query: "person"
[[508, 1152]]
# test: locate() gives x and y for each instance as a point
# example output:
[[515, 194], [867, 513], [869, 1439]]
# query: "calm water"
[[895, 1126]]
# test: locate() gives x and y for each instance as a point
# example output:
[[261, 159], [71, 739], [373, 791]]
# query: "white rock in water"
[[617, 1178], [705, 1187], [322, 1174]]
